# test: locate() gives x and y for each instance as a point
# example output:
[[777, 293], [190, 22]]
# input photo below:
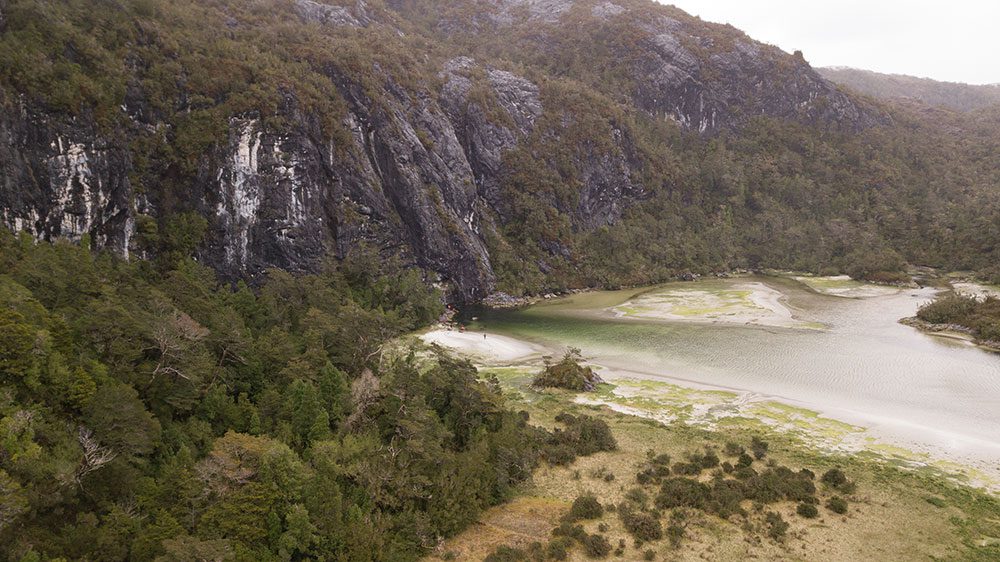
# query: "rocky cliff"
[[415, 159]]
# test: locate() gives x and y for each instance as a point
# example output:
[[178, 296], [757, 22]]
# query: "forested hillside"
[[518, 146], [947, 95], [146, 412]]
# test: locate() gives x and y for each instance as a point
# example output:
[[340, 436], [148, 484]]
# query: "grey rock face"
[[63, 179], [484, 141], [706, 85], [335, 16]]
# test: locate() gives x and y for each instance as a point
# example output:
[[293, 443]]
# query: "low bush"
[[682, 492], [733, 449], [558, 548], [758, 447], [583, 435], [837, 504], [776, 525], [744, 461], [642, 526], [596, 546], [836, 479], [807, 510], [507, 554], [585, 507]]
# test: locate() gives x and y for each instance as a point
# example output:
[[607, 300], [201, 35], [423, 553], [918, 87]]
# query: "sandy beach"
[[491, 349]]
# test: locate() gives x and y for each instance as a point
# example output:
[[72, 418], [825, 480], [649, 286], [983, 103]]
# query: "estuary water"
[[847, 358]]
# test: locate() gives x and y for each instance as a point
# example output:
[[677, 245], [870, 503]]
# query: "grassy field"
[[896, 513]]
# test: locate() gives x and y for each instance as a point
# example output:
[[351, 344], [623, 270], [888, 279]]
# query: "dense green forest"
[[146, 412]]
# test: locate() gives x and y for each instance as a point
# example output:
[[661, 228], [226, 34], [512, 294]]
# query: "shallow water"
[[863, 367]]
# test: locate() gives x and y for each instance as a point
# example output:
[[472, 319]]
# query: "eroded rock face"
[[63, 179]]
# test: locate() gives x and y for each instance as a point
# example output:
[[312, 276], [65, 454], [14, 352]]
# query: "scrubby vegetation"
[[583, 435], [980, 316], [568, 374]]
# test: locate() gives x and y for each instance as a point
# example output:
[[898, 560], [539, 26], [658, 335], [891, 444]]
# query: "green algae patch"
[[843, 286]]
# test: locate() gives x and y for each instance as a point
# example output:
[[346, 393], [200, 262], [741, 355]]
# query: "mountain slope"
[[517, 146], [947, 95]]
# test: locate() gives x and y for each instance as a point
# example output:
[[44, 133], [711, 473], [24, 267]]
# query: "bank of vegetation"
[[977, 316], [148, 412]]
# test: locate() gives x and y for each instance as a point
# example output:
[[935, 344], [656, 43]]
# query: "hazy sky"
[[952, 40]]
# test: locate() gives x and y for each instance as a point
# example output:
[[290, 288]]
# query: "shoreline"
[[896, 440], [950, 331]]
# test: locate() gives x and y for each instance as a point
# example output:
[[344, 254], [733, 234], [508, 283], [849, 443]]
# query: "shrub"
[[650, 554], [687, 468], [837, 504], [660, 460], [596, 546], [836, 479], [949, 309], [638, 496], [758, 447], [807, 510], [642, 526], [558, 548], [709, 459], [725, 497], [585, 507], [744, 461], [780, 483], [583, 435], [506, 554], [733, 449], [682, 492], [728, 467], [569, 374], [776, 525], [567, 529]]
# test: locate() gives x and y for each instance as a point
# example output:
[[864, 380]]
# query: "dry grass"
[[888, 518]]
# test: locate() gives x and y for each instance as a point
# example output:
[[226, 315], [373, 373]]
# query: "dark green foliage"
[[775, 484], [776, 526], [682, 492], [759, 448], [744, 461], [980, 316], [583, 435], [558, 548], [568, 374], [585, 507], [837, 504], [836, 479], [596, 546], [734, 449], [649, 554], [807, 510], [507, 554], [642, 526], [153, 413]]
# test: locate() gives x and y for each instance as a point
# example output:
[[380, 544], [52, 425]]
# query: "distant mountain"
[[948, 95]]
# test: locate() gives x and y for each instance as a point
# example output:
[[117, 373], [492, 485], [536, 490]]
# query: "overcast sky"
[[951, 40]]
